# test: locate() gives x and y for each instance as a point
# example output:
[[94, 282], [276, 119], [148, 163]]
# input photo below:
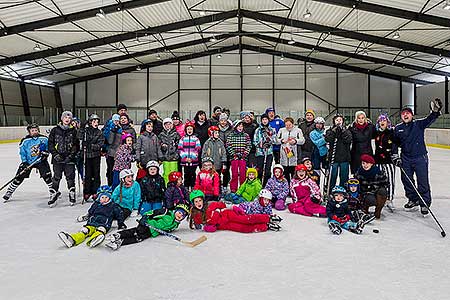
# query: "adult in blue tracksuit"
[[33, 147], [409, 135], [276, 123]]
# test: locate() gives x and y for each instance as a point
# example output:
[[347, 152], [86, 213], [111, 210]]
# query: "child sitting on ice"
[[305, 193], [338, 213], [262, 205], [249, 190], [279, 187], [355, 204], [153, 189], [128, 194], [99, 219], [208, 180], [214, 216], [311, 172], [163, 219], [176, 193]]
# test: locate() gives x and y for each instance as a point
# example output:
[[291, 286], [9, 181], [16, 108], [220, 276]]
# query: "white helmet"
[[319, 120], [265, 193], [125, 172], [278, 166], [152, 163]]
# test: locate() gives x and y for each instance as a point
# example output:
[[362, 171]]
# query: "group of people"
[[195, 168]]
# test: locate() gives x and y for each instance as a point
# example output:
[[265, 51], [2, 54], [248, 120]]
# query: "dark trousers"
[[126, 212], [418, 166], [44, 170], [69, 173], [92, 175], [289, 172], [267, 168], [276, 156], [251, 160], [134, 235], [189, 176], [226, 175], [109, 169]]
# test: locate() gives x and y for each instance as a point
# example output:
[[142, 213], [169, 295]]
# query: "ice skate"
[[114, 245], [53, 197], [411, 206], [424, 211], [273, 227], [275, 219], [6, 197], [390, 205], [72, 196], [96, 239], [367, 218], [66, 239], [335, 228], [113, 237]]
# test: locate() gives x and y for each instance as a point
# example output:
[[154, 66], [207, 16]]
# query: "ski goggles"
[[353, 182]]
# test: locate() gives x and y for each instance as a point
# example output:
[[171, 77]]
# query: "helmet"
[[338, 190], [236, 123], [305, 159], [173, 176], [183, 207], [32, 125], [251, 170], [196, 194], [189, 124], [265, 193], [300, 167], [104, 190], [147, 121], [93, 117], [352, 181], [211, 130], [319, 120], [168, 120], [152, 163], [207, 159], [125, 172], [278, 166], [125, 136]]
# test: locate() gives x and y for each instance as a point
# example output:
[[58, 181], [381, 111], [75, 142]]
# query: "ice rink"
[[408, 259]]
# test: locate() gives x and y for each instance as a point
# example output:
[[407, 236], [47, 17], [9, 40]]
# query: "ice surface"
[[408, 259]]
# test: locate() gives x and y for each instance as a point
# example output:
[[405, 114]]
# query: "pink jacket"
[[208, 183], [301, 191], [180, 129]]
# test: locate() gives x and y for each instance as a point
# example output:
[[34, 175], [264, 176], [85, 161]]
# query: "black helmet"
[[337, 115], [93, 117], [32, 125]]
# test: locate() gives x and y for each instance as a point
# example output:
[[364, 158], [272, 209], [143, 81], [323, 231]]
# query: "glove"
[[115, 128], [314, 199], [436, 105], [397, 160], [122, 226], [83, 218], [238, 210], [210, 228], [24, 165], [58, 158], [44, 154]]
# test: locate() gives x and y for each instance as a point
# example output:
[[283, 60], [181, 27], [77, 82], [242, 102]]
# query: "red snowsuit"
[[208, 183], [301, 191], [221, 218]]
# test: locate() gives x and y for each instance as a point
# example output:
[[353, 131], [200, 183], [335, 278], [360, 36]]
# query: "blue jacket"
[[318, 138], [103, 215], [131, 196], [410, 136], [30, 148], [276, 124]]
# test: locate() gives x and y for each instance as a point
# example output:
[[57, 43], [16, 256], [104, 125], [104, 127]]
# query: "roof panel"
[[26, 13], [161, 13], [60, 35]]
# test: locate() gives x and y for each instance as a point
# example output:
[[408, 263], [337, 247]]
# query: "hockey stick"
[[174, 237], [83, 144], [22, 172], [423, 201]]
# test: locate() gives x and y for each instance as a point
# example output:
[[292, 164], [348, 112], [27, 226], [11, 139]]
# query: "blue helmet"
[[338, 190]]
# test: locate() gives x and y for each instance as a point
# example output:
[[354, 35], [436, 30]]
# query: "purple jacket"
[[278, 188], [254, 207]]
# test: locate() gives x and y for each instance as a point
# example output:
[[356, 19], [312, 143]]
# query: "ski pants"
[[148, 206], [69, 172], [251, 160], [169, 167], [389, 170], [44, 170], [189, 176], [134, 235], [232, 221], [343, 174], [276, 156], [347, 225], [109, 169], [92, 175], [288, 173], [267, 167], [226, 175], [418, 166], [238, 169]]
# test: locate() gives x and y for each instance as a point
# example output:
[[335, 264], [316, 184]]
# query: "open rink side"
[[408, 259]]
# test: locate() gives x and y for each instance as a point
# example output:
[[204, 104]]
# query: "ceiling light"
[[138, 68], [213, 39], [37, 47], [291, 41], [365, 52], [307, 14], [447, 5], [396, 35], [203, 13], [282, 57], [191, 67], [101, 14], [219, 56], [309, 67], [258, 66], [158, 57]]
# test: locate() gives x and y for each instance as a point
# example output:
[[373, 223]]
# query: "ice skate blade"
[[65, 239]]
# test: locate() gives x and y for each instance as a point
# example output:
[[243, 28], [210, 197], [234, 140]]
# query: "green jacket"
[[249, 190], [164, 222]]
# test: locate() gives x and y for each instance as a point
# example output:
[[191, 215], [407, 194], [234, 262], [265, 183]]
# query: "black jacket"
[[339, 209], [308, 146], [153, 189], [384, 140], [93, 143], [201, 131], [371, 180], [361, 143], [344, 140], [63, 142], [103, 215], [250, 129], [157, 127]]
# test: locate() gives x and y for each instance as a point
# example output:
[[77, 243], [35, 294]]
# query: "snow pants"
[[44, 170], [347, 225], [169, 167], [92, 176], [343, 174], [148, 206], [267, 168], [230, 220], [418, 166], [238, 169], [88, 231], [134, 235], [69, 172], [189, 176], [307, 208], [109, 169]]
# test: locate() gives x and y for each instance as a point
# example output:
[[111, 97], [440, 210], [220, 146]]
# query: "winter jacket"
[[308, 146], [30, 148], [124, 157], [384, 140], [165, 222], [115, 138], [103, 215], [361, 143], [214, 120], [238, 145], [106, 130], [224, 132], [344, 140], [263, 140], [201, 131], [92, 140], [189, 147], [304, 188], [215, 149], [131, 196], [63, 141], [371, 180], [410, 136], [180, 129], [208, 183], [157, 126], [276, 124], [278, 187], [250, 129], [168, 141], [254, 207], [318, 139], [147, 148], [153, 189], [175, 195], [250, 189], [288, 152], [338, 209]]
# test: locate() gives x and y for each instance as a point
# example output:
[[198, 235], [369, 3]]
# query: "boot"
[[275, 219], [72, 196], [66, 239], [273, 227], [335, 228], [114, 245], [54, 195], [381, 200], [97, 237], [12, 187]]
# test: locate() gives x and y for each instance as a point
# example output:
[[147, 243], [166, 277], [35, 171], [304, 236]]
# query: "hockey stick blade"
[[195, 242]]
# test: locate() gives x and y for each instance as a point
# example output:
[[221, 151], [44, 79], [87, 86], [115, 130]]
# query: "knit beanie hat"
[[66, 114]]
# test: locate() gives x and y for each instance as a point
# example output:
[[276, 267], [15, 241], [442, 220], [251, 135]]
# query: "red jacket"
[[208, 183], [212, 216]]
